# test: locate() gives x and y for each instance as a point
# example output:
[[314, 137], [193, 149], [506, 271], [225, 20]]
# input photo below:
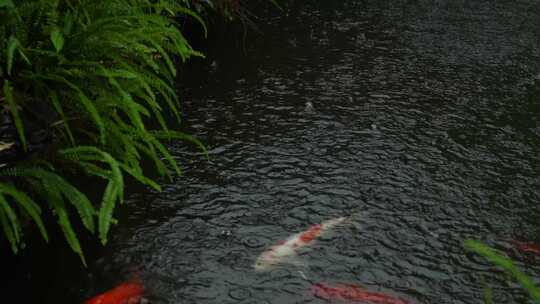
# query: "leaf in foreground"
[[505, 263]]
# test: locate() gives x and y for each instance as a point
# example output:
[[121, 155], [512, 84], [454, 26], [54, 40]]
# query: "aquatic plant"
[[507, 265], [92, 76]]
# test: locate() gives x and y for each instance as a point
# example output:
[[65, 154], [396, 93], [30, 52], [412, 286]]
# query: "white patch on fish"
[[290, 246]]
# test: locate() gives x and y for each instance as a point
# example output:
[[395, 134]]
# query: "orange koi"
[[289, 247], [527, 247], [354, 293], [125, 293]]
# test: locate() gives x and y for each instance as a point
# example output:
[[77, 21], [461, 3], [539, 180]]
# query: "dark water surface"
[[425, 126]]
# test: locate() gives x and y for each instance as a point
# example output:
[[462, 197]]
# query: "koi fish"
[[125, 293], [527, 247], [354, 293], [289, 246]]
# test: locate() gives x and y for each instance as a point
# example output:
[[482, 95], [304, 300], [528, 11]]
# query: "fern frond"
[[8, 230], [8, 93], [182, 136], [114, 190], [11, 224], [27, 204], [81, 203], [53, 182], [105, 71], [6, 3], [107, 206], [63, 220], [94, 114], [140, 177], [14, 45], [506, 264], [53, 97], [152, 154], [165, 152]]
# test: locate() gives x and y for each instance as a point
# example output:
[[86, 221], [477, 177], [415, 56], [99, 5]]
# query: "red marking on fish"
[[527, 247], [125, 293], [353, 292], [311, 234]]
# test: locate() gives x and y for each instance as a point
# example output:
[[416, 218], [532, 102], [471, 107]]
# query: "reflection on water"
[[423, 120]]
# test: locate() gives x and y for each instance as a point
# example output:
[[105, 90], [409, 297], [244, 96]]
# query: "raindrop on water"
[[239, 294]]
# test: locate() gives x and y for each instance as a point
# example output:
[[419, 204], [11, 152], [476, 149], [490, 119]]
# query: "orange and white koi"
[[289, 246]]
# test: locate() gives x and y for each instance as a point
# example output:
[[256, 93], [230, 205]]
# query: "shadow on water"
[[424, 120]]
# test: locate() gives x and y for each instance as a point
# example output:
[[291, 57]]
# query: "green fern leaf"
[[195, 16], [183, 136], [88, 106], [53, 97], [107, 207], [163, 150], [13, 219], [6, 3], [57, 39], [114, 189], [51, 182], [8, 231], [8, 93], [55, 200], [150, 152], [140, 177], [13, 43], [93, 169], [69, 233], [94, 114], [505, 263], [78, 199], [28, 205]]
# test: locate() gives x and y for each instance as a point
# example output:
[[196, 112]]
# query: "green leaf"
[[58, 107], [107, 208], [12, 217], [8, 232], [78, 199], [57, 39], [140, 177], [56, 202], [14, 45], [68, 23], [69, 233], [191, 13], [488, 295], [31, 207], [151, 152], [8, 92], [182, 136], [505, 263], [115, 187], [6, 3], [94, 114], [276, 4]]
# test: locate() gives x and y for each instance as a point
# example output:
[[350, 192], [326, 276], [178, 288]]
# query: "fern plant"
[[96, 73], [507, 265]]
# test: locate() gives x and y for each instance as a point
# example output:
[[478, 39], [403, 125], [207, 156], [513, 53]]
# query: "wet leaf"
[[57, 39]]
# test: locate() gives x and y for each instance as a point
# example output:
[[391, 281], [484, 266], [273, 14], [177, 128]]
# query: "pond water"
[[424, 130]]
